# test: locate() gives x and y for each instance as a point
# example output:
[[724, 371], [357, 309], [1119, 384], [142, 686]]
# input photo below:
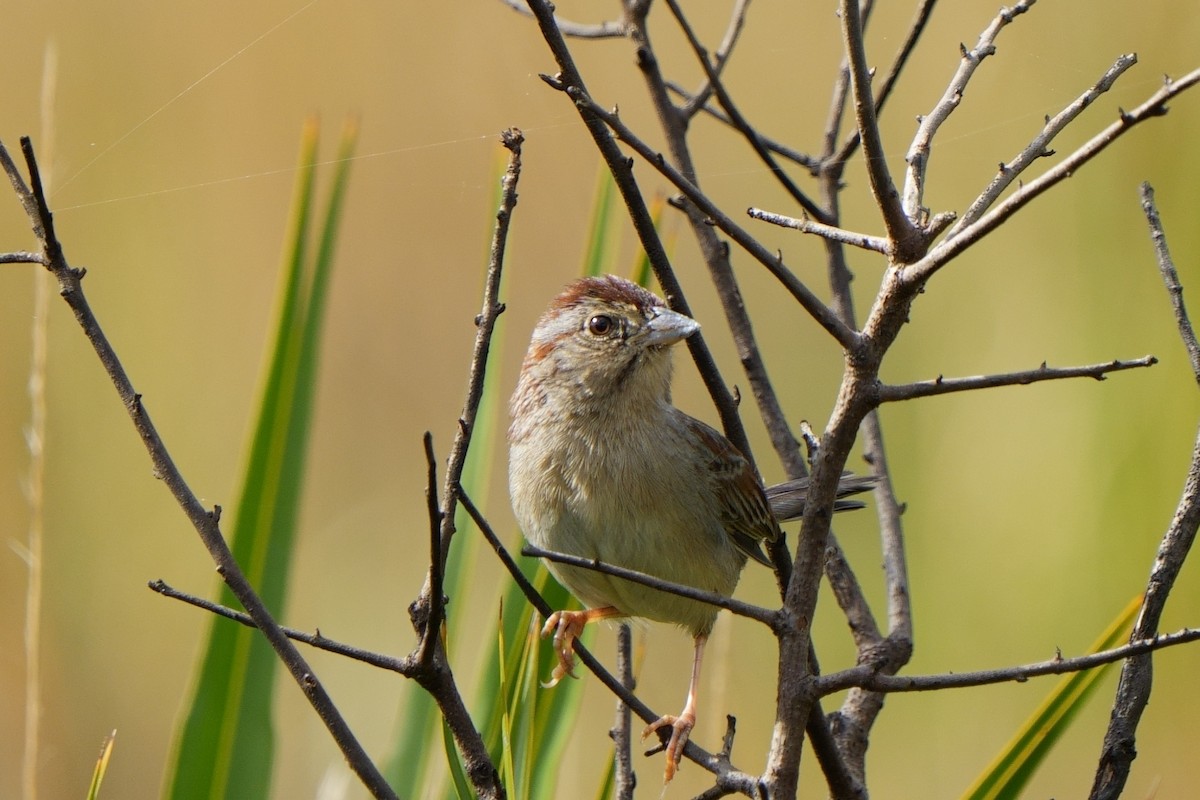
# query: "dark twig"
[[206, 523], [940, 385], [699, 100], [920, 19], [1133, 688], [802, 294], [866, 677], [739, 122], [907, 241], [742, 609], [435, 608], [485, 325], [774, 145], [427, 611], [404, 666]]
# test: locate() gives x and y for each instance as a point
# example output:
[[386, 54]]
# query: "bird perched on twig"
[[603, 466]]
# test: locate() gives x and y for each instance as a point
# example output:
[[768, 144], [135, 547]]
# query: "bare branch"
[[737, 21], [613, 29], [716, 254], [775, 146], [867, 677], [920, 18], [739, 122], [22, 258], [940, 385], [943, 252], [866, 241], [1040, 146], [430, 611], [1170, 277], [1133, 688], [404, 666], [907, 241], [919, 151], [623, 777], [742, 609]]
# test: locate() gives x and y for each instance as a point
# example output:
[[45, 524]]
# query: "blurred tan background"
[[1033, 513]]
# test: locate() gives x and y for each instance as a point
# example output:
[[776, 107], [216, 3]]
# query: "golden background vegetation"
[[1033, 513]]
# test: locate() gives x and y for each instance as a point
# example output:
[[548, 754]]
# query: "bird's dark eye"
[[600, 325]]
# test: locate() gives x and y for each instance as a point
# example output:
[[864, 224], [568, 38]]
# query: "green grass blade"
[[505, 762], [642, 272], [601, 231], [101, 766], [226, 744], [1014, 766], [458, 775], [608, 781]]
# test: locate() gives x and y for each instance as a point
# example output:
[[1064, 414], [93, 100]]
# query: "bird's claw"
[[566, 627], [681, 728]]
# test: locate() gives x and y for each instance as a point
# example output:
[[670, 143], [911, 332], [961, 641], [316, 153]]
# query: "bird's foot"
[[681, 728], [566, 627]]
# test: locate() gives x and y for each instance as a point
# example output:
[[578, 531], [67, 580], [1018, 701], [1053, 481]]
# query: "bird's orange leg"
[[567, 626], [681, 726]]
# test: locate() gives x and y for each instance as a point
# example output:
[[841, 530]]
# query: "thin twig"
[[907, 241], [612, 29], [433, 613], [833, 233], [739, 122], [1040, 146], [946, 250], [919, 152], [205, 522], [777, 147], [427, 611], [940, 385], [866, 677], [1166, 266], [742, 609], [733, 31], [774, 264], [1133, 688], [915, 29], [624, 780], [404, 666]]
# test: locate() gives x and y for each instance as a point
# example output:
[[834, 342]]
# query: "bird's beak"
[[668, 327]]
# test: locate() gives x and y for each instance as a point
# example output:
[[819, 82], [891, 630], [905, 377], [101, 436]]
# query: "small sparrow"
[[603, 466]]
